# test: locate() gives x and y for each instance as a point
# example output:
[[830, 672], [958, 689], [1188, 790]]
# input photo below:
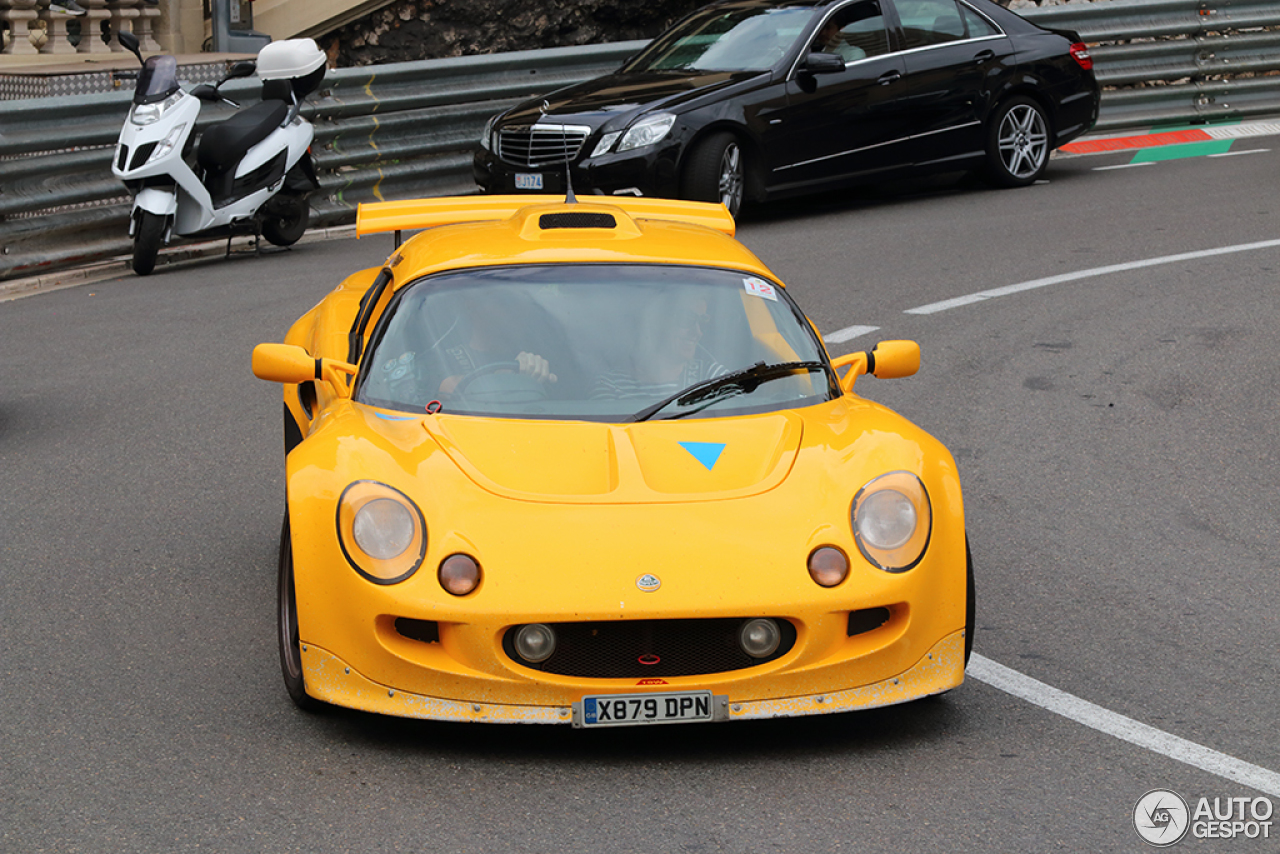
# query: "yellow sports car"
[[568, 461]]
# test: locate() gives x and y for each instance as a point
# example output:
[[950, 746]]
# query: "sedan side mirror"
[[887, 360], [823, 63], [286, 363]]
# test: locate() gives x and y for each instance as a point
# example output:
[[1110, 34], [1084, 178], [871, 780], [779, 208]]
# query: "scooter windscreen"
[[157, 80]]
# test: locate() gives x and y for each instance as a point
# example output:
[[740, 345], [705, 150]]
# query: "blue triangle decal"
[[706, 453]]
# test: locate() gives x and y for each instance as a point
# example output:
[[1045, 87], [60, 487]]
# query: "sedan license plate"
[[676, 707], [528, 180]]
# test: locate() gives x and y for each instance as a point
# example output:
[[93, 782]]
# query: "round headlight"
[[382, 532], [887, 519], [384, 528], [892, 520], [759, 638], [535, 643], [828, 566], [459, 574]]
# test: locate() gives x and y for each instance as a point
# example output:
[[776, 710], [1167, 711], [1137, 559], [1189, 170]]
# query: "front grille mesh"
[[544, 145], [614, 650]]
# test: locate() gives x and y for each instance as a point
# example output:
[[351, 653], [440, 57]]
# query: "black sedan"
[[749, 100]]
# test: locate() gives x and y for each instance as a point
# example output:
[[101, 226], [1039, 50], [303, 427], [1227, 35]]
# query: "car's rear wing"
[[414, 214]]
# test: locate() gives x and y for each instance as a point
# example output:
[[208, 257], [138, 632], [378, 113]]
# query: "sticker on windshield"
[[760, 288]]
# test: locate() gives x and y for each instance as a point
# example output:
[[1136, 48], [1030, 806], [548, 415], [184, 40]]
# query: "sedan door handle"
[[984, 56], [890, 77]]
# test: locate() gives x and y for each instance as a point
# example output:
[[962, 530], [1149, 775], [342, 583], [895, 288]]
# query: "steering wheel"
[[483, 371]]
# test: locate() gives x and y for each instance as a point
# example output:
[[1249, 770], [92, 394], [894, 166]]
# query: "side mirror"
[[286, 363], [891, 360], [205, 92], [817, 62], [243, 68], [888, 360], [130, 43]]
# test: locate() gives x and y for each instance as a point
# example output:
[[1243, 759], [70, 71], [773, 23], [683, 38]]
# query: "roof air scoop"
[[576, 219]]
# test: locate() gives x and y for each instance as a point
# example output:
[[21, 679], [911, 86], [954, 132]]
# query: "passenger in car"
[[669, 356]]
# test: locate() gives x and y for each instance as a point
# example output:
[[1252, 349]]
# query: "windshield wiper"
[[744, 381]]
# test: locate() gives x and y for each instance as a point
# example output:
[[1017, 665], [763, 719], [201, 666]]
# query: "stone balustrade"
[[32, 27]]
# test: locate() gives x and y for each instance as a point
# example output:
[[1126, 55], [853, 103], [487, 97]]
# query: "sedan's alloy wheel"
[[1024, 141], [731, 178]]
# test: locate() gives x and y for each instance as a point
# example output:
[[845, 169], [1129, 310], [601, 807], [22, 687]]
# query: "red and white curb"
[[1131, 141]]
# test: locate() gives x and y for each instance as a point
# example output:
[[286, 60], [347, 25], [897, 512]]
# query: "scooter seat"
[[223, 144]]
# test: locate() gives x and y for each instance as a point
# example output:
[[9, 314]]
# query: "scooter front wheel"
[[286, 219], [146, 242]]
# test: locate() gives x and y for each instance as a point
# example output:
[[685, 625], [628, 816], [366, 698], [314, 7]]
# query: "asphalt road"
[[1117, 440]]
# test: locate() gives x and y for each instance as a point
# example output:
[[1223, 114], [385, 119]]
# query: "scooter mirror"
[[130, 43], [243, 68]]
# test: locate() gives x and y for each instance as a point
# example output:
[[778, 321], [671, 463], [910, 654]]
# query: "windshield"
[[720, 39], [157, 80], [592, 342]]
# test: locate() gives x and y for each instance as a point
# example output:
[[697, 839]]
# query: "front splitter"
[[332, 680]]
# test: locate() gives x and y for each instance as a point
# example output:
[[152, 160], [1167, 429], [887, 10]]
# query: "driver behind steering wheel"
[[494, 332]]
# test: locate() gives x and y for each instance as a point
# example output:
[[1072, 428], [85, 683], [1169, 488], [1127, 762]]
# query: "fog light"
[[459, 574], [828, 566], [535, 642], [759, 638]]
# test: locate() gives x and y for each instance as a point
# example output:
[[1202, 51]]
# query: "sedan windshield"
[[720, 39], [594, 343]]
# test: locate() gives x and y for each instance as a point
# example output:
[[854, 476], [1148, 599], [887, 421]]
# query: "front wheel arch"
[[702, 168]]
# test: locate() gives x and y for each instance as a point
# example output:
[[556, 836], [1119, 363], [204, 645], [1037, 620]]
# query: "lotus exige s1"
[[588, 463]]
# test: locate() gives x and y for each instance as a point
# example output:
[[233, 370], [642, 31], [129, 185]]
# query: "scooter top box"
[[288, 59]]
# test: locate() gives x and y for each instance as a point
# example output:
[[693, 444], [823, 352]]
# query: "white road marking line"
[[1124, 166], [847, 334], [1127, 729], [1238, 153], [955, 302]]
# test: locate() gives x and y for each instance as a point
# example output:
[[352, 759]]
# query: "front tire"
[[286, 219], [287, 628], [146, 242], [970, 611], [716, 172], [1019, 139]]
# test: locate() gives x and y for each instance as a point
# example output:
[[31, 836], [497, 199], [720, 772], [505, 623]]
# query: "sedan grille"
[[634, 649], [541, 145]]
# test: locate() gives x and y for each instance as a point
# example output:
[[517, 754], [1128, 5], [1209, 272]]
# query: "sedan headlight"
[[892, 521], [648, 131], [606, 142], [486, 138], [382, 532]]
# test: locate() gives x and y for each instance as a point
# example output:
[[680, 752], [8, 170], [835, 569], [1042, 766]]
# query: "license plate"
[[528, 181], [677, 707]]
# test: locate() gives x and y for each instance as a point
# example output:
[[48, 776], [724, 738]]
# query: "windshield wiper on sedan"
[[744, 381]]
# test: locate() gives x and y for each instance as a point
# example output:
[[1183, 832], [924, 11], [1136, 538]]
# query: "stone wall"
[[428, 29]]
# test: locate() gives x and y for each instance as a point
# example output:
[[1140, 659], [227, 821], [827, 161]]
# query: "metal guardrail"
[[408, 129]]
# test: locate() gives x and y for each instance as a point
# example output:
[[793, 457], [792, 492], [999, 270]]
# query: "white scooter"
[[250, 174]]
